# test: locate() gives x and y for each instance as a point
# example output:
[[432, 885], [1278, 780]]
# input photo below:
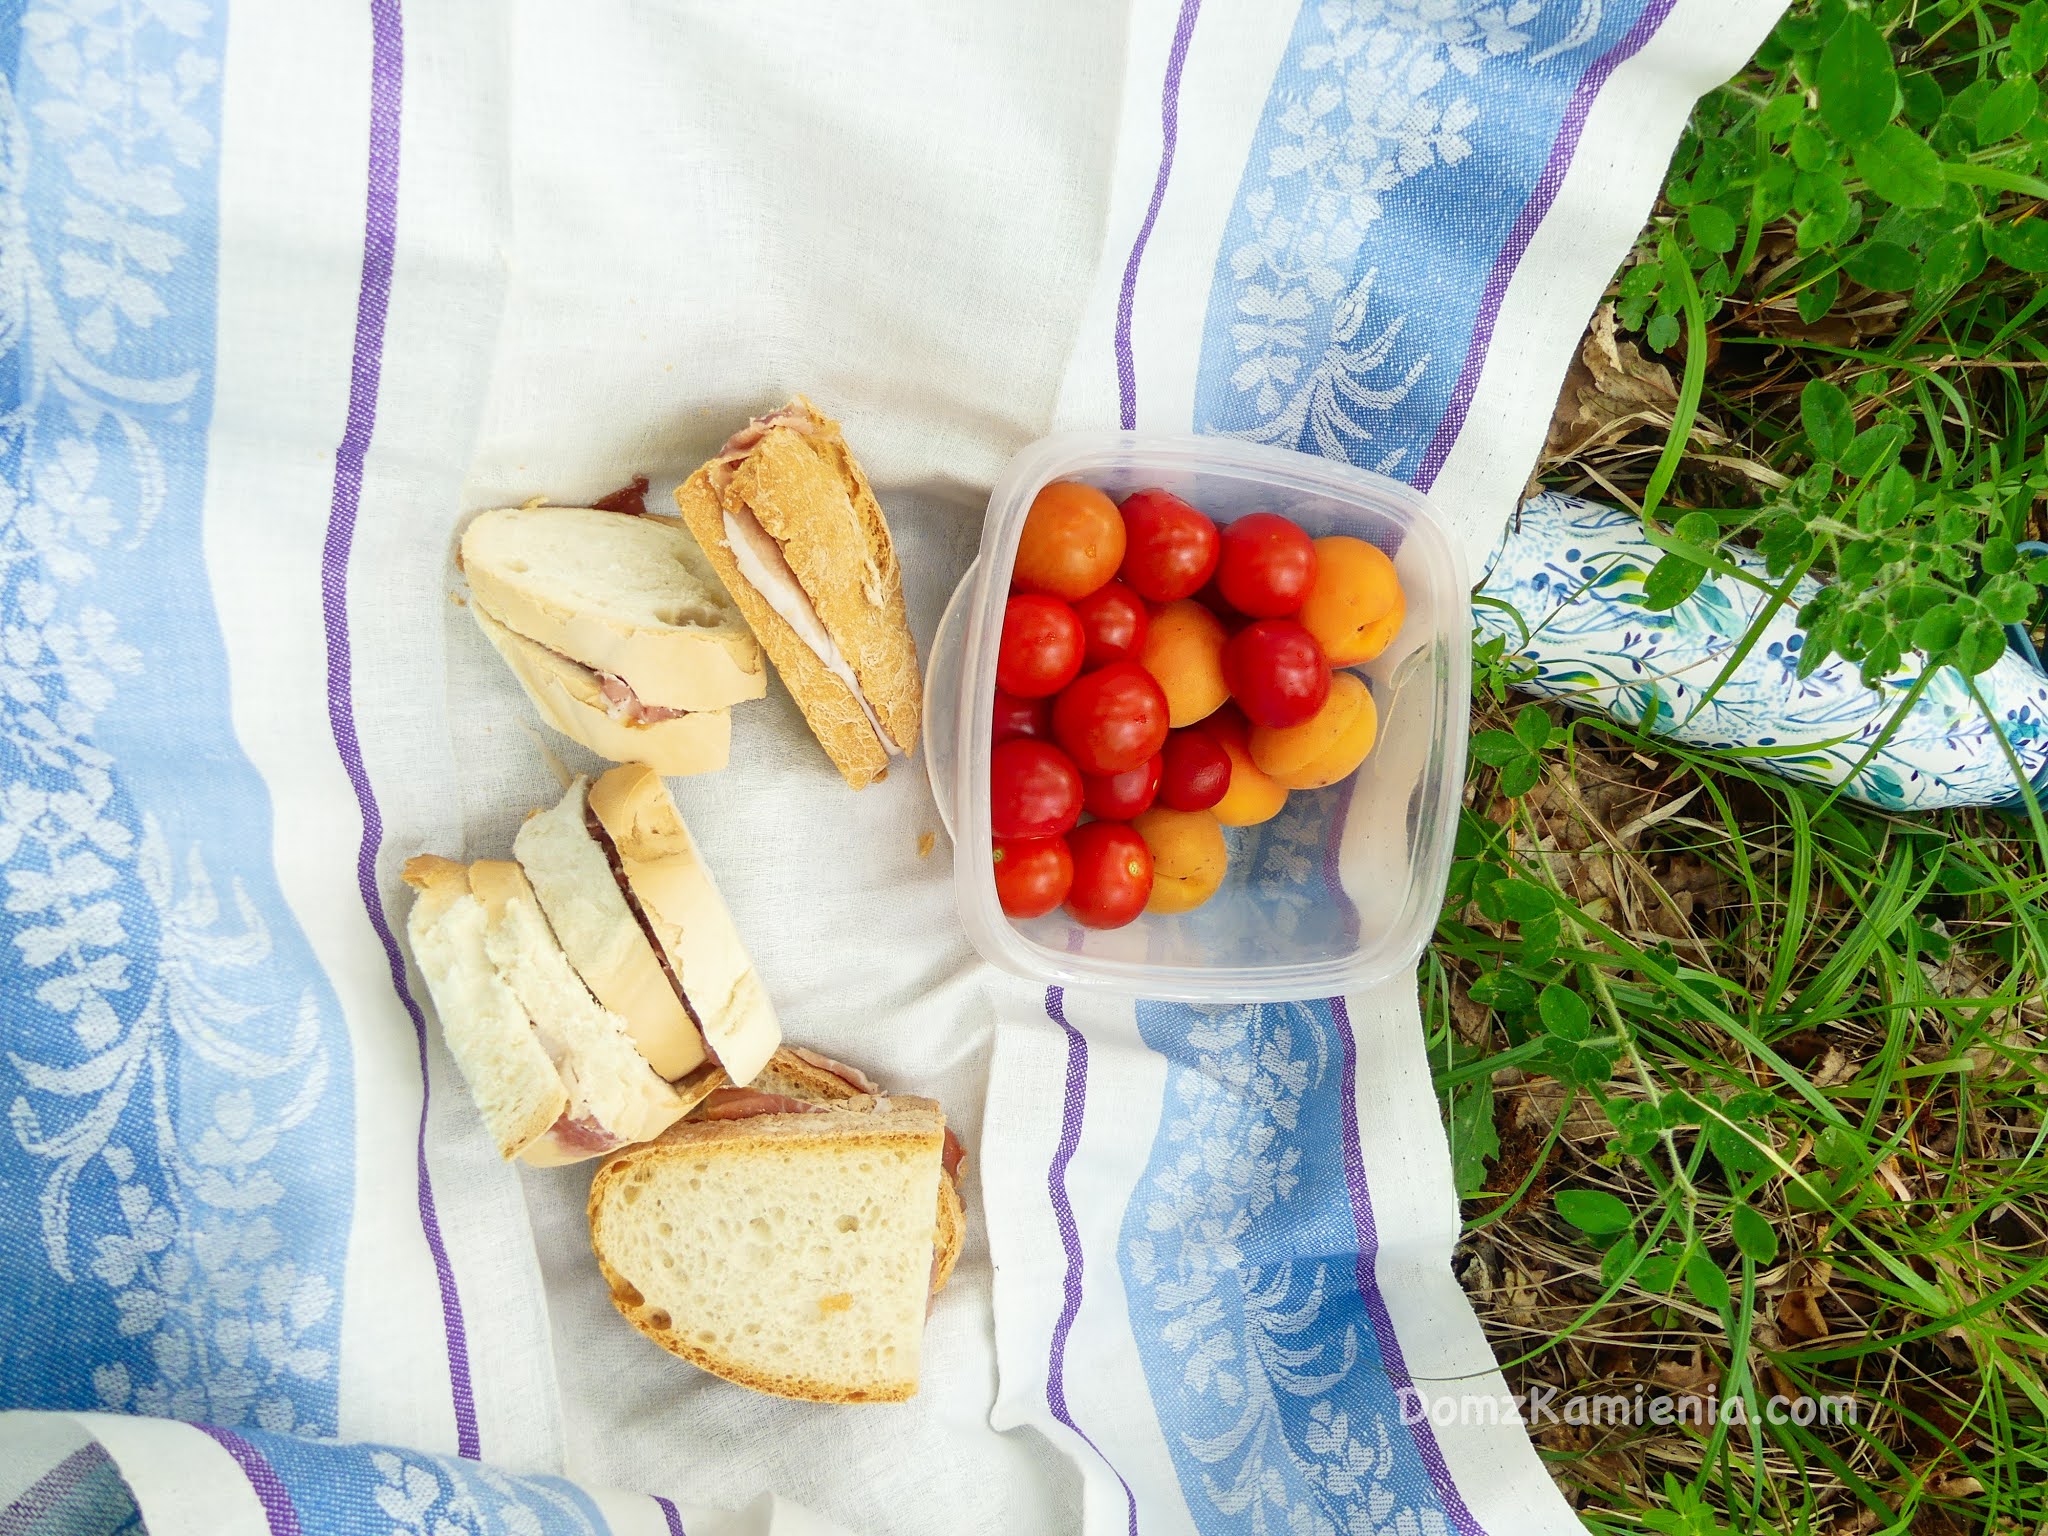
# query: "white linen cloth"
[[294, 289]]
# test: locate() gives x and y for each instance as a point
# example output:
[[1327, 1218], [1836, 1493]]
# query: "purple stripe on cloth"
[[48, 1495], [380, 238], [670, 1514], [1369, 1285], [1524, 230], [1070, 1234], [1169, 133], [270, 1490]]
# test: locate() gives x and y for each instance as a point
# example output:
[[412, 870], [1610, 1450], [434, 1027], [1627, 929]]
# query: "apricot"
[[1184, 653], [1188, 857], [1252, 797], [1356, 606], [1327, 746]]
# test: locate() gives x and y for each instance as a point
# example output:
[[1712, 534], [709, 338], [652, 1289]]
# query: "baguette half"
[[792, 474]]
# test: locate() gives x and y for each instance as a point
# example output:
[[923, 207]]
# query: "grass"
[[1745, 1081]]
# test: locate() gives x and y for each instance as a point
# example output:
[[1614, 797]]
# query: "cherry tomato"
[[1072, 543], [1276, 671], [1120, 796], [1267, 567], [1034, 790], [1194, 771], [1113, 624], [1017, 717], [1112, 875], [1040, 652], [1033, 874], [1111, 719], [1170, 549]]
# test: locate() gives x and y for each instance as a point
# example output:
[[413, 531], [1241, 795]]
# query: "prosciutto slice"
[[626, 706]]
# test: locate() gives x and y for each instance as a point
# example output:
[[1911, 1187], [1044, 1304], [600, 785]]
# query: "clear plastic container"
[[1342, 888]]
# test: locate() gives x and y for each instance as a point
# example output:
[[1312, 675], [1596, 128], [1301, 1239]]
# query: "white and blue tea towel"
[[284, 292]]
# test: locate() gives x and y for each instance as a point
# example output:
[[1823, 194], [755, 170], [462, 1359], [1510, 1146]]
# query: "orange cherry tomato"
[[1073, 542]]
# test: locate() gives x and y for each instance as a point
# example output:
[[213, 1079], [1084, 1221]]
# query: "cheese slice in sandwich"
[[554, 1075], [788, 1252], [791, 526], [636, 911], [617, 628]]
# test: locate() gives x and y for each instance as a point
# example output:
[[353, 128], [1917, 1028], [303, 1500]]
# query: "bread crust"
[[627, 977], [674, 888], [689, 666], [914, 1124], [569, 698], [808, 492]]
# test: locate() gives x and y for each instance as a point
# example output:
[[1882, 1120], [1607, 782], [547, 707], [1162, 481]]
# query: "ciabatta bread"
[[601, 933], [517, 1090], [570, 697], [616, 593], [787, 1253], [673, 890], [792, 474]]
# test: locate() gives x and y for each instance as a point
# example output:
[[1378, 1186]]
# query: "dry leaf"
[[1609, 382]]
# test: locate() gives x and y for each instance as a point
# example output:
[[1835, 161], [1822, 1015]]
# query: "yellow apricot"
[[1188, 857], [1252, 796], [1327, 746], [1184, 654], [1356, 606]]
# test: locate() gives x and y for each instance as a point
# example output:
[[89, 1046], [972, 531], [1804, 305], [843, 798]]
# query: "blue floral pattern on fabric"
[[176, 1154], [382, 1490], [1573, 572], [1397, 149]]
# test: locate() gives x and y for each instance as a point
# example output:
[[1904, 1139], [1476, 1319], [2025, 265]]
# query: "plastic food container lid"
[[1343, 887]]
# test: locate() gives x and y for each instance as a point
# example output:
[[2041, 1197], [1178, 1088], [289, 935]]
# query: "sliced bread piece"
[[673, 890], [791, 476], [808, 1076], [787, 1253], [602, 934], [616, 593], [570, 697], [517, 1090], [615, 1097]]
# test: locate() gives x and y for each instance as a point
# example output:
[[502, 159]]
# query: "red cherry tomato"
[[1275, 671], [1170, 549], [1194, 771], [1112, 875], [1034, 790], [1033, 874], [1040, 652], [1017, 717], [1121, 796], [1111, 719], [1267, 567], [1113, 624]]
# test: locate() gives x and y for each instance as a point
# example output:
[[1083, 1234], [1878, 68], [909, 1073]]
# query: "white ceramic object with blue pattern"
[[1572, 572]]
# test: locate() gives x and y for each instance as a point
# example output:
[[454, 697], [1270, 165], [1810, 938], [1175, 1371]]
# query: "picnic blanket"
[[285, 293]]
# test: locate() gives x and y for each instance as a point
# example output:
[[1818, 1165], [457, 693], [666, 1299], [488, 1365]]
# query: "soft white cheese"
[[763, 563]]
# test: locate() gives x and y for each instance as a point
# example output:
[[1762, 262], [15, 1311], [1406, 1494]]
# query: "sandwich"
[[791, 526], [788, 1236], [617, 629], [595, 990], [555, 1075]]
